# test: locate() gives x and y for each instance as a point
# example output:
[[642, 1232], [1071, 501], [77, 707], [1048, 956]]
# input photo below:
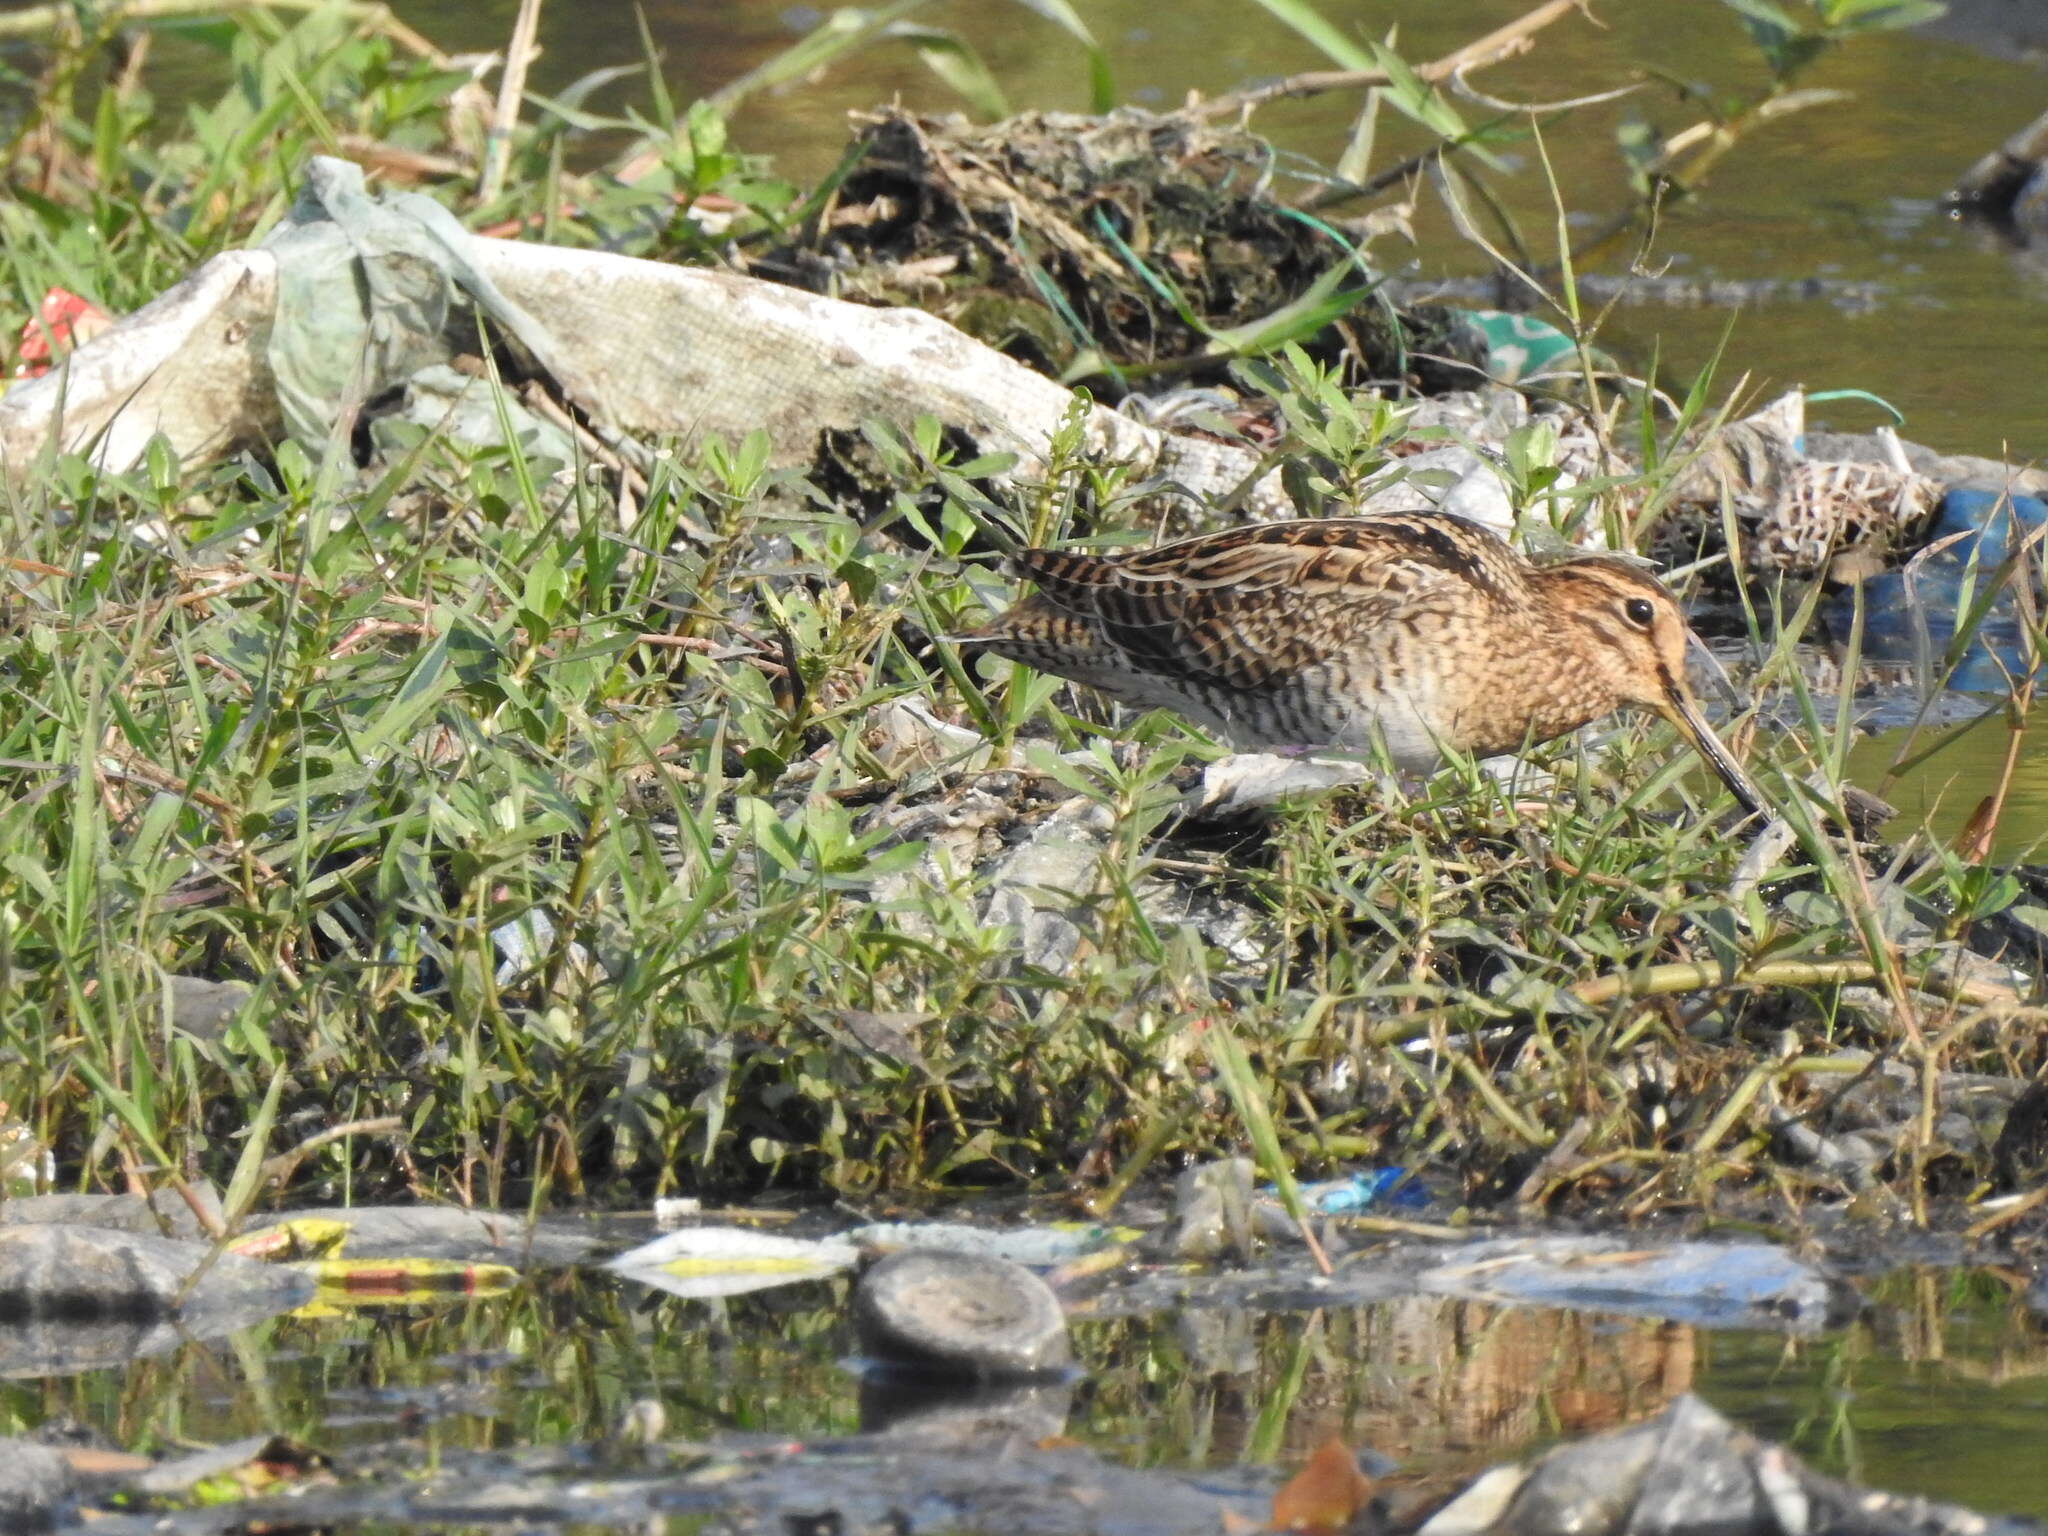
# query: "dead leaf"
[[1325, 1496]]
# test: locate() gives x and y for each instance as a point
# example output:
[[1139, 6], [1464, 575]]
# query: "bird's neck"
[[1565, 665]]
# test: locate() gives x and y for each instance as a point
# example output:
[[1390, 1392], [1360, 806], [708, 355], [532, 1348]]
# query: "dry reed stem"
[[35, 20], [519, 54], [1501, 43]]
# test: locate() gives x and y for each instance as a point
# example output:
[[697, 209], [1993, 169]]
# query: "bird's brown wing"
[[1244, 608]]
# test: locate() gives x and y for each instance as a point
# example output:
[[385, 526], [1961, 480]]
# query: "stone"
[[91, 1274], [960, 1315], [35, 1486]]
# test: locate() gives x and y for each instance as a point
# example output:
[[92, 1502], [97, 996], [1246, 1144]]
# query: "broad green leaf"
[[430, 678]]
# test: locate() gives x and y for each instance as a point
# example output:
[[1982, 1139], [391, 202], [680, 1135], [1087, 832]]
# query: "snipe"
[[1423, 629]]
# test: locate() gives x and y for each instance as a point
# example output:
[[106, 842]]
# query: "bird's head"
[[1635, 645]]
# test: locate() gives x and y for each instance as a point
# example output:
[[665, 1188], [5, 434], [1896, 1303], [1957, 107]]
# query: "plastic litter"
[[1519, 346], [730, 1261], [1910, 615], [1988, 522], [388, 1282], [1046, 1247], [357, 298], [303, 1237], [1356, 1193], [1711, 1285], [62, 321]]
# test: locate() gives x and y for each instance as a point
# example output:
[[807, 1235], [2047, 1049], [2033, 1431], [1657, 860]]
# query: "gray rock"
[[90, 1274], [1041, 885], [1212, 1211], [962, 1315], [1688, 1472], [1700, 1477], [163, 1214], [205, 1008], [35, 1486], [1585, 1489], [1683, 1473], [1853, 1157], [908, 1410]]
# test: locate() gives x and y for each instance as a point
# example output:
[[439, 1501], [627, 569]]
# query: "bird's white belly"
[[1411, 744]]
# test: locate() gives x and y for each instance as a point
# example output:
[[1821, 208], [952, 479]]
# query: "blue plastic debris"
[[1397, 1188], [1911, 615], [1987, 520], [1897, 613]]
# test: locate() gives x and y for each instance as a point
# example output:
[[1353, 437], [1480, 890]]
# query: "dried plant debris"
[[1795, 514], [1134, 237]]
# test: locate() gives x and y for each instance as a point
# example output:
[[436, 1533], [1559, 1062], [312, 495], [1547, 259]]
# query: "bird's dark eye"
[[1637, 611]]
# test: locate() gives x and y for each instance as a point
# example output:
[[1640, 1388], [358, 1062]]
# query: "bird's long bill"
[[1683, 711]]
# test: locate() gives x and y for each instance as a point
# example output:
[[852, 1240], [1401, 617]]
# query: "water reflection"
[[1941, 1390]]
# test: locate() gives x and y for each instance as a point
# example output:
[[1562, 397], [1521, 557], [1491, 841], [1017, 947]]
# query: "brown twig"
[[616, 452], [139, 770], [35, 20], [281, 1167], [32, 567], [1501, 43], [1550, 1167], [366, 629]]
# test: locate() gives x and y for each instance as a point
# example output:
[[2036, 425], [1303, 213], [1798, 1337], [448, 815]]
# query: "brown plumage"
[[1422, 629]]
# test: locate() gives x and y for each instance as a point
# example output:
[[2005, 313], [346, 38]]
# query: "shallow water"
[[1941, 1389], [1949, 773]]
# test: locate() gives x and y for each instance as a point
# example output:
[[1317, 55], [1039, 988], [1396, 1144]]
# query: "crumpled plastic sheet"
[[1712, 1285], [354, 297]]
